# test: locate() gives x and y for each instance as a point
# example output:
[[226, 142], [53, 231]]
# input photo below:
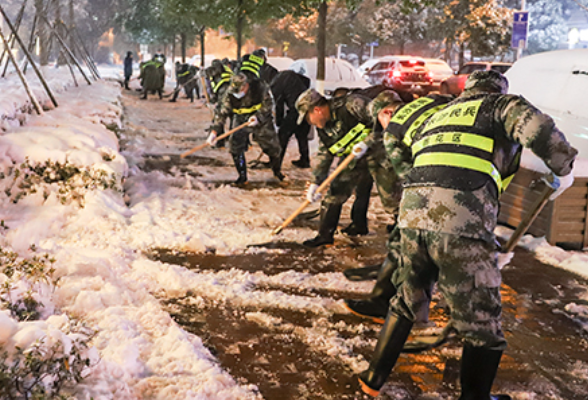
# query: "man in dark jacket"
[[128, 68], [286, 87]]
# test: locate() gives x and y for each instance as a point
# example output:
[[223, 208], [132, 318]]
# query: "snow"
[[556, 82], [107, 282], [99, 246], [338, 73]]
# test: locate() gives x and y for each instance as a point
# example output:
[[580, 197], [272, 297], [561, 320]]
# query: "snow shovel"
[[429, 342], [320, 190], [165, 96], [206, 144]]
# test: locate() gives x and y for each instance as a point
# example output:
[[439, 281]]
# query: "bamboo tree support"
[[31, 43], [320, 190], [66, 48], [71, 70], [83, 46], [12, 39], [204, 145], [22, 77], [80, 51], [29, 58]]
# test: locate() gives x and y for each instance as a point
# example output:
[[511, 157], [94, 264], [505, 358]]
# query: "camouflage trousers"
[[468, 277], [264, 135], [387, 182], [355, 177], [359, 175]]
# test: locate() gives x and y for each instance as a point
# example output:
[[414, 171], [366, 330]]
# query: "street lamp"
[[339, 49]]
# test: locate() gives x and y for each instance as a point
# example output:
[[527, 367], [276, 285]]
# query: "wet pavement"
[[283, 352]]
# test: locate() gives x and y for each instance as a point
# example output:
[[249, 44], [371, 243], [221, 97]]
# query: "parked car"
[[363, 68], [439, 70], [454, 85], [338, 73], [402, 73]]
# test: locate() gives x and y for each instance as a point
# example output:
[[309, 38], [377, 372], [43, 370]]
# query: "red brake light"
[[430, 75], [413, 61], [396, 74]]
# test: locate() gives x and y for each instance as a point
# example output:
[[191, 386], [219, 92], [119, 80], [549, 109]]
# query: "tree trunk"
[[183, 44], [239, 28], [72, 24], [202, 52], [60, 31], [173, 49], [321, 47], [461, 54], [401, 47], [42, 33]]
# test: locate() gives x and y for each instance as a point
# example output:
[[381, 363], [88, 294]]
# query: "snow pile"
[[15, 108], [138, 350]]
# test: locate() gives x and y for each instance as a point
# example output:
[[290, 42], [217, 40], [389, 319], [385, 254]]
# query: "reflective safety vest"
[[406, 121], [247, 110], [464, 136], [344, 145], [252, 64], [225, 78]]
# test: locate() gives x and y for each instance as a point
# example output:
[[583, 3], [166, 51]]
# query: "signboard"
[[519, 29], [374, 44]]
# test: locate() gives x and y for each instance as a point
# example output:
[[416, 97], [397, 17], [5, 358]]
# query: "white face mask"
[[239, 95]]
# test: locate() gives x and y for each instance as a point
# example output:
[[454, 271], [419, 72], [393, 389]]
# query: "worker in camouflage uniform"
[[463, 157], [396, 124], [248, 100], [343, 123], [152, 77], [219, 75], [185, 78]]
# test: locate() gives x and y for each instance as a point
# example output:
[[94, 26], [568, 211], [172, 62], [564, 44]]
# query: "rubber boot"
[[390, 343], [241, 165], [359, 223], [328, 225], [276, 164], [478, 370], [376, 306]]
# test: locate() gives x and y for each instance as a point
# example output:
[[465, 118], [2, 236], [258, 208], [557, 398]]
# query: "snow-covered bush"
[[22, 282], [44, 360], [70, 182]]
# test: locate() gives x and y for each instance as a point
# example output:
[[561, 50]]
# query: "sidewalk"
[[308, 353]]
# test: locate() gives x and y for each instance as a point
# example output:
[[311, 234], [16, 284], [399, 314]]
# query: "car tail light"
[[430, 75], [396, 74]]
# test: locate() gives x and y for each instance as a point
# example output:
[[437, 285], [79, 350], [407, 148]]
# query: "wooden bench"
[[563, 221]]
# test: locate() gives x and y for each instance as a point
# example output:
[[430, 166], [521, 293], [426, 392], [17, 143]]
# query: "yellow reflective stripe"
[[460, 161], [348, 139], [462, 114], [216, 87], [258, 60], [405, 112], [506, 181], [228, 70], [247, 110], [254, 69], [457, 138], [410, 132], [184, 73], [226, 75]]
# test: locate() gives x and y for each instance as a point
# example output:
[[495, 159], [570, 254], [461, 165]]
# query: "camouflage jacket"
[[474, 213], [346, 113], [258, 101]]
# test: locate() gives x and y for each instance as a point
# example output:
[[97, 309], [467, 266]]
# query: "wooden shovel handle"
[[206, 144], [320, 189]]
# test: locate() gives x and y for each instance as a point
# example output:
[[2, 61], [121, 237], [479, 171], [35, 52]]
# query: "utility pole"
[[521, 43]]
